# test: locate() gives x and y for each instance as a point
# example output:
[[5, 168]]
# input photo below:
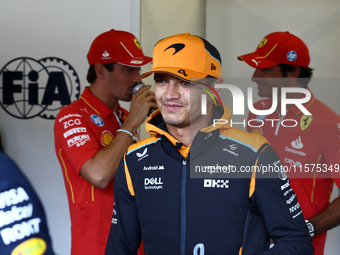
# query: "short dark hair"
[[91, 73], [211, 79], [305, 73]]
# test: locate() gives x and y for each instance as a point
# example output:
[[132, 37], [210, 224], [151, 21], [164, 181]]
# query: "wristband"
[[128, 132], [310, 227]]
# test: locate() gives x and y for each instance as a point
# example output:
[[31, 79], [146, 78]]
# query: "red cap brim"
[[135, 62], [257, 61]]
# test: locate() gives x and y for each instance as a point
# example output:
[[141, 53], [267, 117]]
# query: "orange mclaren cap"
[[185, 56], [278, 48]]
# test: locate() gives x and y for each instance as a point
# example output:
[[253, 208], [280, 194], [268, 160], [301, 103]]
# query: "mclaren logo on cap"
[[213, 67], [177, 46], [263, 42]]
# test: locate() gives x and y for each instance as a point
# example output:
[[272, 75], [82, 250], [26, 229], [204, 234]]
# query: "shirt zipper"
[[279, 123], [183, 207]]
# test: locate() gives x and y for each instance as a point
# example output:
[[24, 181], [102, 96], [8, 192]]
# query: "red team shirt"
[[81, 129], [314, 140]]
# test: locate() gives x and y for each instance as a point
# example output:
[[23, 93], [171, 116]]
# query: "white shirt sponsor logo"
[[148, 168], [11, 198], [292, 162], [143, 154], [213, 183], [283, 175], [291, 199], [231, 152], [297, 144], [286, 185], [287, 192], [208, 135], [233, 147], [153, 183], [74, 131], [68, 116], [301, 153], [71, 123], [20, 231], [78, 140], [294, 207]]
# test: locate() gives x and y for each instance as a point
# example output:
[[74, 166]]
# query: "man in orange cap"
[[310, 148], [92, 133], [176, 189]]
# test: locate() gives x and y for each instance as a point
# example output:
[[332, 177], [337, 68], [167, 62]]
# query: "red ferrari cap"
[[117, 46], [277, 48]]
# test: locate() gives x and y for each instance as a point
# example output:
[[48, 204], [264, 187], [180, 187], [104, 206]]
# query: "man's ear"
[[295, 73], [100, 71], [218, 81]]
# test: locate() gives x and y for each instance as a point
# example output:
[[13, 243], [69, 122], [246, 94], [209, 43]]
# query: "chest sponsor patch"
[[97, 120], [305, 122], [78, 140], [153, 183], [142, 155], [213, 183], [106, 138], [74, 131]]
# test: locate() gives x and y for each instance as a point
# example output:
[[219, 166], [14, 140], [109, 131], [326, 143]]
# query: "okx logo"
[[37, 88]]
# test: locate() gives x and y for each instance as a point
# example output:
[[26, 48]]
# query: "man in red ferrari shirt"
[[281, 61], [92, 133]]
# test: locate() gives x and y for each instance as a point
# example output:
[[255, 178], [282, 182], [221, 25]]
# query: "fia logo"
[[37, 88]]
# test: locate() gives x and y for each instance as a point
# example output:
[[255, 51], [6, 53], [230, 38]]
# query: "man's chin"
[[126, 99], [173, 122], [263, 94]]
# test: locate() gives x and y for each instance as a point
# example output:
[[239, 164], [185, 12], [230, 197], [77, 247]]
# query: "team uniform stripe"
[[142, 144], [128, 178], [68, 179]]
